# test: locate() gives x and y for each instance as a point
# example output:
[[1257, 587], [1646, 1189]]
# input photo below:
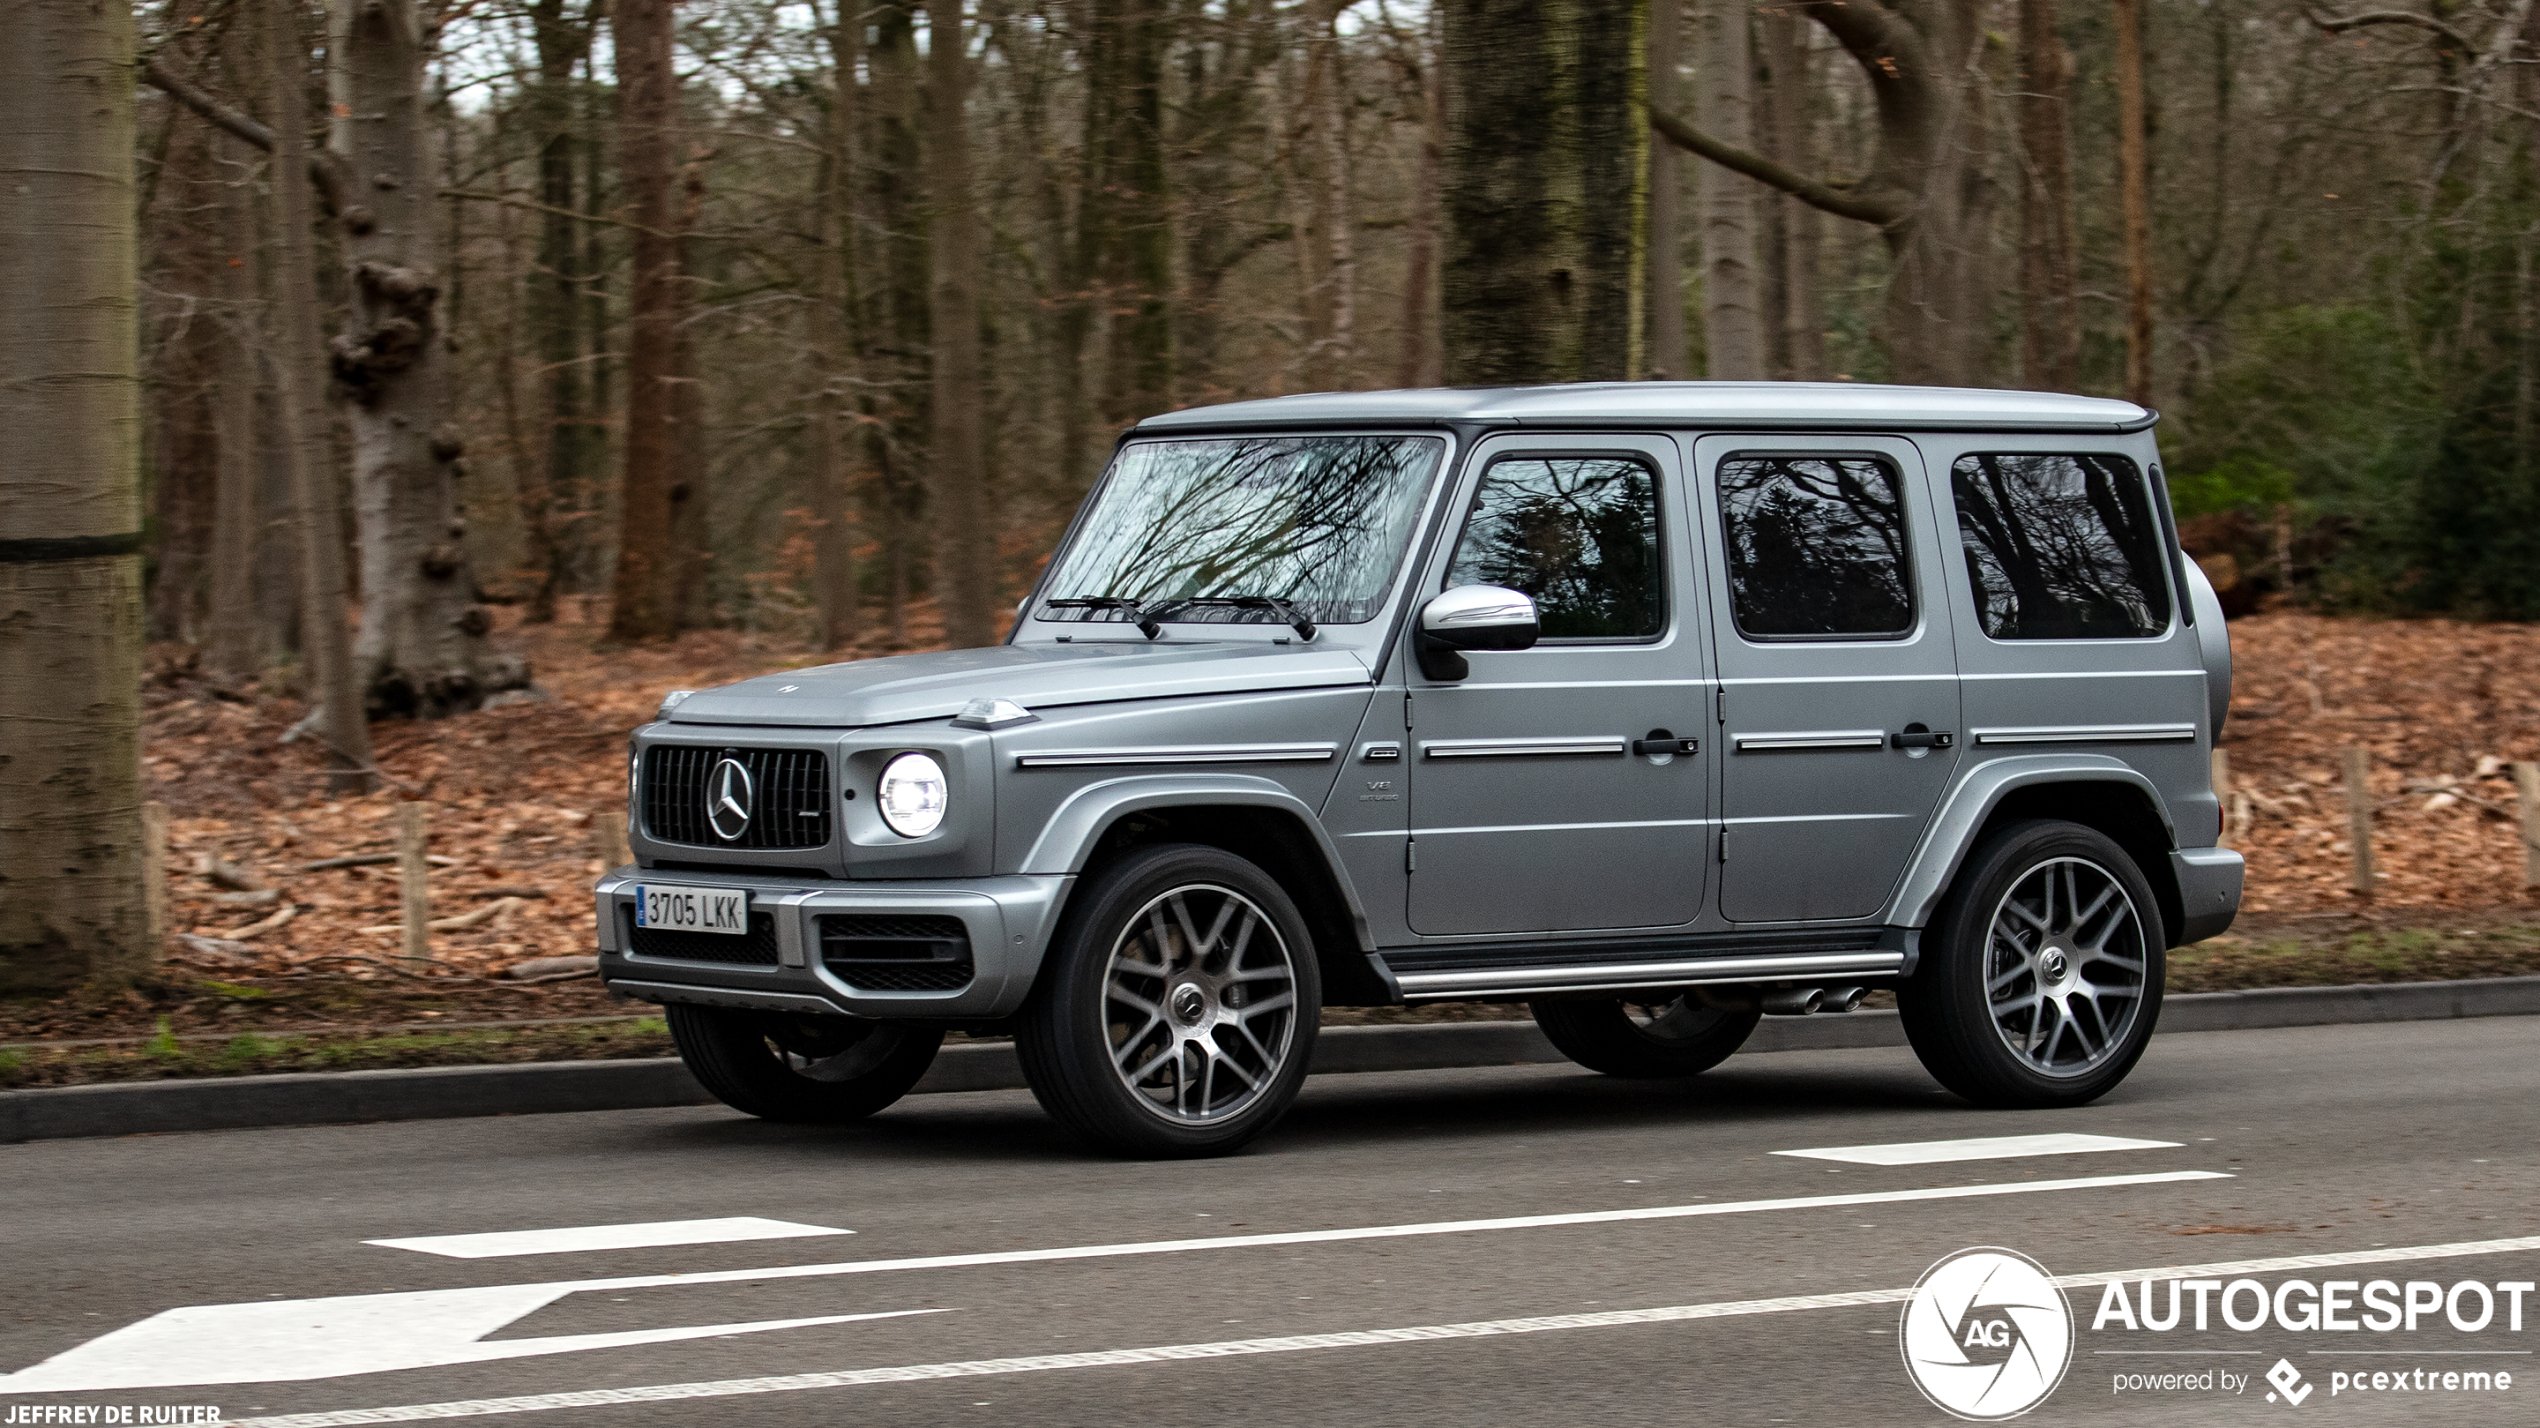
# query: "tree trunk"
[[691, 495], [642, 607], [235, 648], [833, 347], [422, 648], [307, 440], [181, 234], [2134, 185], [2050, 308], [72, 901], [1327, 261], [1546, 186], [1732, 295], [898, 438], [1419, 364], [1137, 241], [1799, 319], [965, 525], [567, 466], [1666, 356]]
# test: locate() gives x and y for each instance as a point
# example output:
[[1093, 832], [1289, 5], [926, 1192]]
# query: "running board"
[[1446, 984]]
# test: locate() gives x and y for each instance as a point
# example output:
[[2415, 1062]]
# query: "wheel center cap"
[[1189, 1004], [2053, 965]]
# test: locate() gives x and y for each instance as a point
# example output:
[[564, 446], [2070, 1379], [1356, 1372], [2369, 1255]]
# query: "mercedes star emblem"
[[729, 798]]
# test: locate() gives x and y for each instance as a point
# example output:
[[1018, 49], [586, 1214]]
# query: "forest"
[[371, 329]]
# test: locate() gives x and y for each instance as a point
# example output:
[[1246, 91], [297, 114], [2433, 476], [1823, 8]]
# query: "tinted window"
[[2060, 547], [1317, 520], [1816, 546], [1577, 533]]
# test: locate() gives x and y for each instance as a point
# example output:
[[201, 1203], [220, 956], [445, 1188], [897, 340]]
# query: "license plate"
[[678, 909]]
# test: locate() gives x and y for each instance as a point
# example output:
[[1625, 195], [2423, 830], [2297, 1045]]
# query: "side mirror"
[[1471, 617]]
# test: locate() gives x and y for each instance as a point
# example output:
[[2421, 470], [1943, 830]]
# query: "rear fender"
[[1981, 792]]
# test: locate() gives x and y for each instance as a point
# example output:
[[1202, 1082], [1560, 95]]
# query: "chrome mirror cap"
[[1472, 617]]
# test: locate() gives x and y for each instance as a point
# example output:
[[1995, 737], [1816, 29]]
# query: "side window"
[[1816, 547], [2060, 547], [1579, 534]]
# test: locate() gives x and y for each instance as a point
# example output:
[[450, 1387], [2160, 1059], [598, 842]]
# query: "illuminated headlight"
[[912, 795]]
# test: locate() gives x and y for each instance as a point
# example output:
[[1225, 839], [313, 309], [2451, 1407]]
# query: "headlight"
[[912, 795]]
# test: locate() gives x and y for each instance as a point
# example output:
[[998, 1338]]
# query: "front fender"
[[1067, 840], [1969, 804]]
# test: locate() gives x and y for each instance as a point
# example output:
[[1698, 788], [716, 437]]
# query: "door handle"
[[1662, 743], [1915, 736]]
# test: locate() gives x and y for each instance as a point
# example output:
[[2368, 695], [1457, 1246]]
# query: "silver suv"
[[1660, 707]]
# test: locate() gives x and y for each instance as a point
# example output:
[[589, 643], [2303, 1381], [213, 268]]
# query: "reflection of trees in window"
[[1578, 535], [1816, 545], [1317, 521], [2060, 547]]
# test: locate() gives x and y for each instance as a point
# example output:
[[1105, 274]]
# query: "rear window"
[[2060, 547]]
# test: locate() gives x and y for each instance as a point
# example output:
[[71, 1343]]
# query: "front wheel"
[[1644, 1039], [2040, 978], [1177, 1012], [810, 1069]]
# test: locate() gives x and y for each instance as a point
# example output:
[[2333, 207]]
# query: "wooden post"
[[414, 896], [2527, 793], [608, 840], [2359, 816], [154, 874], [2222, 798]]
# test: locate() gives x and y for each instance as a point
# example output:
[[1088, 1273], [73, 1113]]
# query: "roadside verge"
[[438, 1092]]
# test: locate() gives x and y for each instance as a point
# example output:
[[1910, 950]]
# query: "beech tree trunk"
[[72, 898], [1732, 287], [1418, 365], [565, 471], [1327, 253], [1797, 321], [1666, 357], [1546, 187], [965, 525], [235, 645], [643, 606], [903, 308], [1136, 222], [2134, 187], [833, 347], [2050, 306]]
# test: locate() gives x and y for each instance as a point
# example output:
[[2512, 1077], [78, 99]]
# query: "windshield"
[[1316, 521]]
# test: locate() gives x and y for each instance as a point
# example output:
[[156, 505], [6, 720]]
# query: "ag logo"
[[1986, 1335]]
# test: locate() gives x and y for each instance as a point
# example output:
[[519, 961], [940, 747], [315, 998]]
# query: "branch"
[[325, 168], [1814, 192], [2340, 24]]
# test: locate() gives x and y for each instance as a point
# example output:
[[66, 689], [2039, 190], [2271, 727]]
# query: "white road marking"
[[375, 1331], [1294, 1343], [1985, 1147], [497, 1243]]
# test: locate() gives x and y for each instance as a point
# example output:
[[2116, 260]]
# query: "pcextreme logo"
[[1986, 1335]]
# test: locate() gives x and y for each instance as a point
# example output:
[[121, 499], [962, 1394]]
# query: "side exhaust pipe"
[[1806, 1001]]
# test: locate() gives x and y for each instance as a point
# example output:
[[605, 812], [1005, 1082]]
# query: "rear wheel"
[[1644, 1039], [800, 1068], [1177, 1012], [2040, 978]]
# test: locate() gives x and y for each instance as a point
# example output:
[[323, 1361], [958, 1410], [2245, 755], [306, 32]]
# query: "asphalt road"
[[2364, 1141]]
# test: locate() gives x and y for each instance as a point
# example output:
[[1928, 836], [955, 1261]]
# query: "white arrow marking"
[[293, 1339]]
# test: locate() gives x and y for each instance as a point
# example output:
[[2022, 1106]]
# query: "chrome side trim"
[[1817, 739], [1692, 971], [2091, 734], [1520, 748], [1180, 754]]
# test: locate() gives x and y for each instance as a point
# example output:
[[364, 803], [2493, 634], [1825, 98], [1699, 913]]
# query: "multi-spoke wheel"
[[800, 1068], [1178, 1008], [1651, 1036], [2041, 977]]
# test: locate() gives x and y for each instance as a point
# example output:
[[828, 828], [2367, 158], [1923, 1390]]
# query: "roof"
[[1748, 405]]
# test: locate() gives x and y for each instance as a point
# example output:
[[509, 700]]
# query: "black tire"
[[2056, 1008], [1621, 1036], [802, 1069], [1129, 1059]]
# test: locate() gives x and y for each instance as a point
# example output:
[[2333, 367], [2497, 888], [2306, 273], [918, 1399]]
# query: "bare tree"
[[2050, 307], [2134, 184], [1666, 356], [643, 606], [235, 646], [72, 904], [1732, 294], [833, 344], [965, 523], [1327, 254]]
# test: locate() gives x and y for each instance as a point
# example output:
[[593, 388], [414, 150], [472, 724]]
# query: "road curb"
[[440, 1092]]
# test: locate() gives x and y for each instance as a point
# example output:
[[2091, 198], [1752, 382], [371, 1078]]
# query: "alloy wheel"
[[1199, 1004], [2064, 967]]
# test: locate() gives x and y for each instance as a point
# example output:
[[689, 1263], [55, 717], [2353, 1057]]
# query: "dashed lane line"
[[1295, 1343], [492, 1244], [1985, 1147]]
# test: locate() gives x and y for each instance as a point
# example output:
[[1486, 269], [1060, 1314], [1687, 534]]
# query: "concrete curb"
[[438, 1092]]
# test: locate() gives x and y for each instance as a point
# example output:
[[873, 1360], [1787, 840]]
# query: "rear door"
[[1531, 810], [1839, 692]]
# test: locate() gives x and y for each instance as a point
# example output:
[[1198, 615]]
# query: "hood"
[[901, 688]]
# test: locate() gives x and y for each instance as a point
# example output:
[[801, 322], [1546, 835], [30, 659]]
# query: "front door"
[[1839, 687], [1531, 809]]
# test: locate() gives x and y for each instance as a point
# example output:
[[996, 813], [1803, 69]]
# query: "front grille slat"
[[791, 809], [914, 953]]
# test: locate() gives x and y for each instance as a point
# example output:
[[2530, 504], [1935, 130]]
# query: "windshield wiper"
[[1145, 621], [1287, 613]]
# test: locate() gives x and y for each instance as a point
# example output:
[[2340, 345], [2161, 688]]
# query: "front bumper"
[[1009, 921], [2208, 891]]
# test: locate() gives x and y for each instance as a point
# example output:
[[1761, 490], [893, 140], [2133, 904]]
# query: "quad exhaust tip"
[[1811, 1001]]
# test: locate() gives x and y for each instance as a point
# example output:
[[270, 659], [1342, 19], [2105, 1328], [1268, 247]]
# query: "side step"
[[1502, 970]]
